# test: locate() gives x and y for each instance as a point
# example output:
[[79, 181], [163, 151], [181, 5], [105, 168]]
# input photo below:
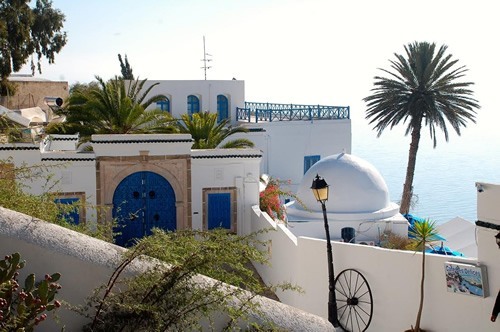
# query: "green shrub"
[[167, 297]]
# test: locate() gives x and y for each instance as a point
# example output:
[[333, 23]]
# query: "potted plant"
[[422, 233]]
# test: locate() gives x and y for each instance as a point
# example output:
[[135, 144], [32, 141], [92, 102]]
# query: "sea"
[[445, 176]]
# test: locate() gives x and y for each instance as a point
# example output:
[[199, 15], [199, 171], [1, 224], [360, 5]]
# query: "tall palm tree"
[[422, 90], [208, 134], [422, 233], [113, 107]]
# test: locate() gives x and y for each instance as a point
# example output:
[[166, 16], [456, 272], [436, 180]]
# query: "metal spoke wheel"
[[354, 301]]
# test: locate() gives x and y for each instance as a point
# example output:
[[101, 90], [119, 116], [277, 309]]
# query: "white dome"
[[355, 186]]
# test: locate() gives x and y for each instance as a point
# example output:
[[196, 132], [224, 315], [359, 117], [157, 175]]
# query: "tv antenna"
[[205, 60]]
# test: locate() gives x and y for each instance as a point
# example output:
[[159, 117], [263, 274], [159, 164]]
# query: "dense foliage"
[[424, 89], [25, 31], [113, 107], [173, 297]]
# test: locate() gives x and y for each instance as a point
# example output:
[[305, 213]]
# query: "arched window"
[[193, 104], [222, 108], [164, 105]]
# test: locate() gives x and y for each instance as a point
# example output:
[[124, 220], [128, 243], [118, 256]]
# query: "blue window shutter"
[[193, 104], [309, 161]]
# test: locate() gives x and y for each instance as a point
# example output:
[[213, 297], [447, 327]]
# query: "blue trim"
[[222, 108], [164, 105], [193, 104], [309, 161]]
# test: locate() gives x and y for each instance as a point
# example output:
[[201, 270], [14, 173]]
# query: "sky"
[[287, 51], [304, 52]]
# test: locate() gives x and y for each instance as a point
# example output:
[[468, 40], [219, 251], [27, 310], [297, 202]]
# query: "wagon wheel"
[[354, 301]]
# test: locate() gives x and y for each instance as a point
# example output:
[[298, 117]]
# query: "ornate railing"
[[255, 112]]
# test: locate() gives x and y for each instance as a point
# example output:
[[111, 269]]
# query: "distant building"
[[33, 92]]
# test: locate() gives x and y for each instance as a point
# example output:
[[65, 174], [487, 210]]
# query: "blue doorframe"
[[219, 210], [141, 202]]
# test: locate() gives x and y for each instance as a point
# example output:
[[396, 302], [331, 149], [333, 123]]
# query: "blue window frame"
[[193, 104], [73, 215], [164, 105], [309, 161], [222, 108]]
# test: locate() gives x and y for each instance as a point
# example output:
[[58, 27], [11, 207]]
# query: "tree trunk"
[[421, 305], [410, 170]]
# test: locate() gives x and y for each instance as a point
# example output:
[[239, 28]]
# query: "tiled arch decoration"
[[175, 169]]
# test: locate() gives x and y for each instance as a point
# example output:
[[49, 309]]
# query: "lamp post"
[[320, 190]]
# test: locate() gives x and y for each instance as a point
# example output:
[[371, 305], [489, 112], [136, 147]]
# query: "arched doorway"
[[141, 202]]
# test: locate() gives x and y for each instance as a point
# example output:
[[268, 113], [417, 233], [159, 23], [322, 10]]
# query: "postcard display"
[[468, 279]]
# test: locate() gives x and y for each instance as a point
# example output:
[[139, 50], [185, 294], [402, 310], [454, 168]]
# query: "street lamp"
[[320, 190]]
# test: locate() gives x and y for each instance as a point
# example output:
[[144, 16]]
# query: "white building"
[[291, 137], [358, 200], [159, 181]]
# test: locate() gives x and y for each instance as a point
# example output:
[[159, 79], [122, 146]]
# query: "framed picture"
[[467, 279]]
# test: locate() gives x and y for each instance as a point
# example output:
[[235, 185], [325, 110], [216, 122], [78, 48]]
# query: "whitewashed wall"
[[284, 144], [86, 263], [394, 278], [57, 171], [225, 168], [206, 90]]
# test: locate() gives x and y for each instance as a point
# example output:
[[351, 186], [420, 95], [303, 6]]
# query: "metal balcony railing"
[[255, 112]]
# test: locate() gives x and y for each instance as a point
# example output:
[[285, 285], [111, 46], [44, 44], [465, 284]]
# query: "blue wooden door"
[[142, 201], [219, 210]]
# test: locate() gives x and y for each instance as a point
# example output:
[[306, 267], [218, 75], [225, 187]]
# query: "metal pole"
[[332, 300]]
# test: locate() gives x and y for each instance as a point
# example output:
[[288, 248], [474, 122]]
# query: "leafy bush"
[[173, 297], [21, 309], [14, 196]]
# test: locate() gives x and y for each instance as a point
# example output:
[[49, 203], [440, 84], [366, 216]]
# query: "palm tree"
[[423, 90], [208, 134], [114, 107], [422, 233]]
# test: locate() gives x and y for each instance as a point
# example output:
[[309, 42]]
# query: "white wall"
[[285, 143], [57, 171], [86, 263], [225, 168], [134, 145], [393, 275], [206, 91]]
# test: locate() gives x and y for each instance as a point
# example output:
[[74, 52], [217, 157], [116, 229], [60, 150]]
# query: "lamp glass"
[[320, 189], [321, 194]]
